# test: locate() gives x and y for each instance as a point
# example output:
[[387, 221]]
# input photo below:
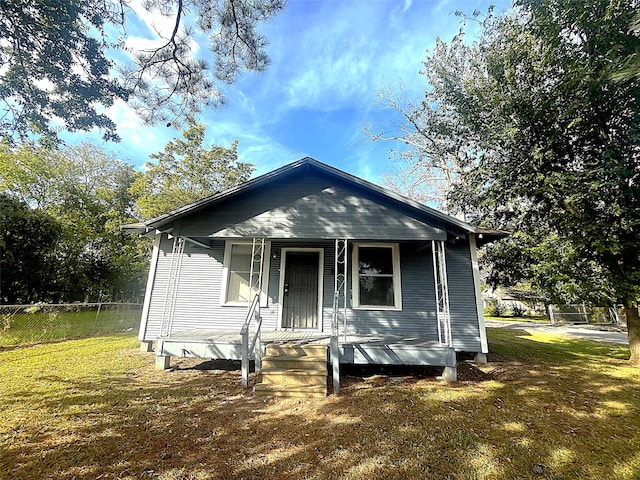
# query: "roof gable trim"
[[309, 163]]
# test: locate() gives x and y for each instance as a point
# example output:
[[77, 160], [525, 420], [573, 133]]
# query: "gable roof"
[[310, 164]]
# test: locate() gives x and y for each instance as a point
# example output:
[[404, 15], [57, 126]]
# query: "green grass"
[[551, 408], [46, 324], [533, 319]]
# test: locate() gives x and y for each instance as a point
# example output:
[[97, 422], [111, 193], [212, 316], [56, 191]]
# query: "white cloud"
[[348, 51], [152, 29], [157, 24]]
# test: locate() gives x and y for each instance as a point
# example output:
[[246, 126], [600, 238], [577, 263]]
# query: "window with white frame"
[[376, 276], [237, 267]]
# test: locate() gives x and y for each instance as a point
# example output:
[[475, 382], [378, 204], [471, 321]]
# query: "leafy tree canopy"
[[185, 171], [64, 62], [28, 242], [84, 191], [560, 136], [549, 139]]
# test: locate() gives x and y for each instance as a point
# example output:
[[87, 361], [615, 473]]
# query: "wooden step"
[[298, 391], [291, 377], [294, 350], [293, 370], [283, 362]]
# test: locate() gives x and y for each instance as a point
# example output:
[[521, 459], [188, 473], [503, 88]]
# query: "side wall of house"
[[465, 329]]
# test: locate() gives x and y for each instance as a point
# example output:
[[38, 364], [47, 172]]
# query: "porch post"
[[171, 293], [442, 292], [244, 362], [257, 265], [339, 296]]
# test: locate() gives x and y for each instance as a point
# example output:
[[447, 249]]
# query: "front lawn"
[[550, 408]]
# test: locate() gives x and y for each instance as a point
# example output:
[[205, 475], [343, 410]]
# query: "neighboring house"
[[332, 259]]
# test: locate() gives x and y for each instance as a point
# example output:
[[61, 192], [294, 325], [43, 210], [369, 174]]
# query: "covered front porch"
[[390, 335]]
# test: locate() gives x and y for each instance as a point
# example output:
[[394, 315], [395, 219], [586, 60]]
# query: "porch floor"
[[360, 349]]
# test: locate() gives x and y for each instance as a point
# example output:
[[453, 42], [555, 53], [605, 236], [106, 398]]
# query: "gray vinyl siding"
[[308, 207], [462, 299], [418, 315]]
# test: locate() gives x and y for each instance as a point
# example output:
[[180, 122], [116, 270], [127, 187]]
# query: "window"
[[376, 276], [237, 268]]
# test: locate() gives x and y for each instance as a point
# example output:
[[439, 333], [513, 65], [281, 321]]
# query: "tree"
[[564, 134], [631, 68], [436, 145], [546, 264], [64, 62], [86, 191], [558, 138], [185, 171], [28, 241]]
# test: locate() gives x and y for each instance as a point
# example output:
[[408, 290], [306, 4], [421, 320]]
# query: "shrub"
[[518, 310], [498, 309]]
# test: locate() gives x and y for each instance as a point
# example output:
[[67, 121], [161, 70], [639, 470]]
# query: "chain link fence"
[[28, 324], [580, 313]]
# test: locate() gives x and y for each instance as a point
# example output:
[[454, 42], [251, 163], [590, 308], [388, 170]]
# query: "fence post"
[[585, 314], [95, 323], [550, 308]]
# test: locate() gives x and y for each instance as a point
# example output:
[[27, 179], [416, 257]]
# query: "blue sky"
[[329, 58]]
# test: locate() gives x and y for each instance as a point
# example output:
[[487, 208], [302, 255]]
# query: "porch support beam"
[[443, 313], [450, 372], [163, 362], [480, 358], [339, 308], [171, 293]]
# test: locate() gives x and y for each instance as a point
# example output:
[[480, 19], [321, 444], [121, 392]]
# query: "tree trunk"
[[633, 329]]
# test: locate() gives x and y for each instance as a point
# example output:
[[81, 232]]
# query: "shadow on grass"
[[550, 409]]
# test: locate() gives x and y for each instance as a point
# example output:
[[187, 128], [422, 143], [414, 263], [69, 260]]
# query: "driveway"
[[589, 332]]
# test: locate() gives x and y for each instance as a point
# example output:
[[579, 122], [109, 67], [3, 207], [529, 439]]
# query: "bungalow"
[[308, 266]]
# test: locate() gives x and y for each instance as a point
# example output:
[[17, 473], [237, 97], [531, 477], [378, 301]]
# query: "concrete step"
[[294, 350], [299, 391], [293, 377]]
